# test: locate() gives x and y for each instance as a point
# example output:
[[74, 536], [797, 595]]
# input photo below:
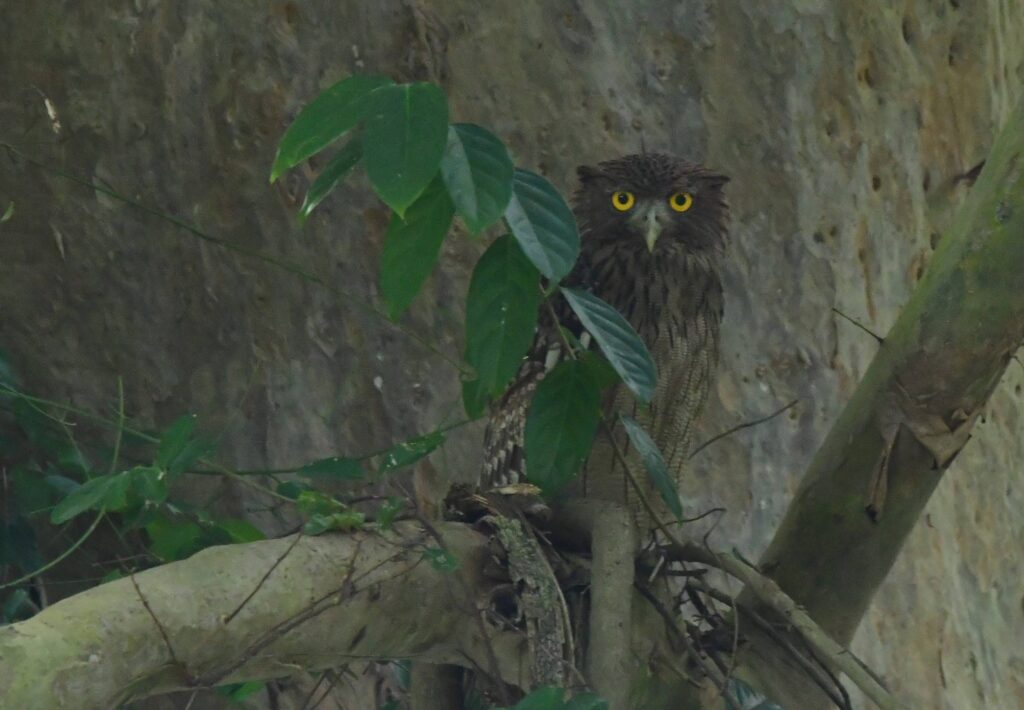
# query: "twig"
[[860, 325], [713, 674], [770, 594], [264, 578], [739, 427], [840, 698], [159, 626]]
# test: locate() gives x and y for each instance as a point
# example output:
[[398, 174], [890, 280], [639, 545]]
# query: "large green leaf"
[[411, 247], [654, 464], [338, 167], [587, 701], [501, 313], [543, 224], [336, 468], [405, 137], [543, 698], [174, 440], [109, 492], [477, 171], [411, 451], [560, 425], [619, 342], [174, 539], [326, 118]]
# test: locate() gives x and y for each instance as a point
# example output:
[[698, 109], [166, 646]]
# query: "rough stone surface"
[[845, 126]]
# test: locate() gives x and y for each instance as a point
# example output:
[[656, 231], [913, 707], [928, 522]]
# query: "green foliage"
[[619, 342], [428, 171], [329, 116], [405, 136], [477, 171], [501, 314], [549, 698], [654, 464], [240, 691], [561, 424], [339, 166], [411, 451], [411, 247], [335, 467], [441, 560], [543, 224]]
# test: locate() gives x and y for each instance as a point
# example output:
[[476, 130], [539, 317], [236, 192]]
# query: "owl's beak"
[[653, 221]]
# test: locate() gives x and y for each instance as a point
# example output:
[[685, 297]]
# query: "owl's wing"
[[504, 463]]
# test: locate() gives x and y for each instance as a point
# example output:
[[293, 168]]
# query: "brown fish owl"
[[653, 238]]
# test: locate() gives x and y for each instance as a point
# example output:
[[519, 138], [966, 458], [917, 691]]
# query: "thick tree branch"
[[331, 598], [914, 408]]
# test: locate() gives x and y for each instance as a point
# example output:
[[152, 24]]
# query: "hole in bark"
[[934, 239], [876, 182], [819, 237], [927, 181], [908, 30]]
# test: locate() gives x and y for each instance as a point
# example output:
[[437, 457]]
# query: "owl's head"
[[652, 202]]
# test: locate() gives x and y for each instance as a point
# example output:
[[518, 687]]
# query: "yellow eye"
[[681, 201], [623, 201]]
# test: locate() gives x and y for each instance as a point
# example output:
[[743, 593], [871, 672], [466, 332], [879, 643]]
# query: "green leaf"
[[600, 369], [311, 502], [619, 342], [543, 224], [560, 425], [31, 490], [387, 512], [178, 450], [110, 492], [501, 314], [654, 464], [405, 137], [546, 698], [441, 560], [336, 468], [411, 247], [16, 606], [8, 213], [172, 540], [409, 452], [474, 398], [241, 530], [335, 171], [241, 691], [334, 112], [477, 171], [587, 701], [150, 483], [291, 489], [346, 520]]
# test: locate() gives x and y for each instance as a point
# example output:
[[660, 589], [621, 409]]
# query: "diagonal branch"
[[915, 407]]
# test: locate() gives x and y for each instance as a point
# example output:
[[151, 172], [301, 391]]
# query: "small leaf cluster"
[[429, 172], [550, 698]]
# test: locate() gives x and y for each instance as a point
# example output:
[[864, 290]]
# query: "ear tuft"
[[588, 173], [715, 179]]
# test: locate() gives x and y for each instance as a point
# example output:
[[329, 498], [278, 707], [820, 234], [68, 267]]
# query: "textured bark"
[[331, 598], [844, 125], [916, 406]]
